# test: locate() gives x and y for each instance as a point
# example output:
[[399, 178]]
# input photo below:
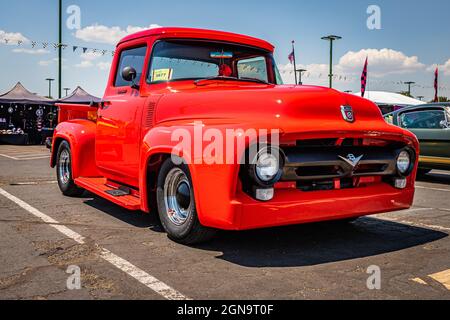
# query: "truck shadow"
[[295, 246], [135, 219], [435, 178], [320, 243]]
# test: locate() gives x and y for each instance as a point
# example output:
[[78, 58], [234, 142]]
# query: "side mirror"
[[129, 74]]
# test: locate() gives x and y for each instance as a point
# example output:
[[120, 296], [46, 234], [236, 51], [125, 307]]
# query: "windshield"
[[194, 60]]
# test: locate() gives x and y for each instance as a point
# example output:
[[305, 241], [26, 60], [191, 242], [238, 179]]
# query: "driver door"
[[118, 125]]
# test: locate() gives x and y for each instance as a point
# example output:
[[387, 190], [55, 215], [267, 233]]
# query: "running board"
[[121, 196]]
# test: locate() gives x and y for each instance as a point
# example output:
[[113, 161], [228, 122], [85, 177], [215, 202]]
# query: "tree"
[[441, 99], [405, 93]]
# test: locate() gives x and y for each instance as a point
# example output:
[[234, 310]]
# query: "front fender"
[[214, 185], [80, 134]]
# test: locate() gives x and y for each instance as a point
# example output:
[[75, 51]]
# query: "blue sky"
[[414, 33]]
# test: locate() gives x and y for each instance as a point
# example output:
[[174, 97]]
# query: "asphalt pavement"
[[125, 255]]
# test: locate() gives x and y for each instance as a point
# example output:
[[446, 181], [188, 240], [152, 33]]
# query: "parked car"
[[431, 124], [330, 155]]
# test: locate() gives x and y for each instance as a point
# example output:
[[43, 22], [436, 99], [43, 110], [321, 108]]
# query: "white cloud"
[[104, 65], [381, 62], [316, 73], [384, 62], [46, 63], [84, 64], [11, 38], [31, 51], [90, 55], [110, 35], [444, 68]]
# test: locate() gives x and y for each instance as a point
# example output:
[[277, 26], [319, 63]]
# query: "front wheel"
[[64, 171], [176, 205]]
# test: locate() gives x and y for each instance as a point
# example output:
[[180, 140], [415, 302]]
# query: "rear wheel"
[[64, 171], [176, 205]]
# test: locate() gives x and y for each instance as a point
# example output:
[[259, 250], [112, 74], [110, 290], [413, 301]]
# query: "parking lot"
[[125, 255]]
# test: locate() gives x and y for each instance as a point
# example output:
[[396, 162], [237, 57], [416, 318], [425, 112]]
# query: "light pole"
[[50, 80], [60, 51], [300, 72], [409, 83], [331, 38], [67, 91]]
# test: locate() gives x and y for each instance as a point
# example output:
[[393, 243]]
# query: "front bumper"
[[292, 206]]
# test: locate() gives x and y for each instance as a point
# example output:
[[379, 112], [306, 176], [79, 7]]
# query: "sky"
[[411, 40]]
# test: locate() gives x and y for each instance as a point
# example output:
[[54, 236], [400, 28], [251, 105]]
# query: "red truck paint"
[[133, 128]]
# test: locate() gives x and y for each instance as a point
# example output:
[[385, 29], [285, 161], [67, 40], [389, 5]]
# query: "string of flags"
[[306, 75], [350, 78], [46, 45]]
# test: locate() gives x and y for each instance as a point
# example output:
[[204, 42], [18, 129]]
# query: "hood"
[[288, 108]]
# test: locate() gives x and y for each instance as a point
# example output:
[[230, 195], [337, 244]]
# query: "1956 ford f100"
[[196, 125]]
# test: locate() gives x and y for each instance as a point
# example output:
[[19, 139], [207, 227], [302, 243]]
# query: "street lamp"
[[50, 80], [67, 91], [409, 83], [60, 22], [300, 72], [331, 38]]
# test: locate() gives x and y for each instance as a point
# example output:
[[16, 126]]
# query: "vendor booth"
[[80, 96], [25, 117], [389, 102]]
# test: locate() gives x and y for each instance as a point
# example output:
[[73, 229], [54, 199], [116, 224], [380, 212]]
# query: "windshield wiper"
[[197, 82]]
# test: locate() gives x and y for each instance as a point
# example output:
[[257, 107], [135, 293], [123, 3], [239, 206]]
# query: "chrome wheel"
[[178, 196], [64, 166]]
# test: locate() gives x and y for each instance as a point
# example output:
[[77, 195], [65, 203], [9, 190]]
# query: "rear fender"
[[80, 134]]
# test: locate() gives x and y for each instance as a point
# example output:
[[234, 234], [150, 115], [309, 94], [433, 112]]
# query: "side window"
[[130, 58], [426, 119], [255, 68]]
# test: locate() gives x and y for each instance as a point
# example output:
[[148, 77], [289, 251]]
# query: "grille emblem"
[[352, 160], [347, 113]]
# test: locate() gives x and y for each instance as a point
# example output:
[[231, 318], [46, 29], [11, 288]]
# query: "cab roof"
[[191, 33]]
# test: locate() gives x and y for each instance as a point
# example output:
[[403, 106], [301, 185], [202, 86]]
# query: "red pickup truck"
[[196, 126]]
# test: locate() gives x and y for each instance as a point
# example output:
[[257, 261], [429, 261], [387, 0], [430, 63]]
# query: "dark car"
[[431, 124]]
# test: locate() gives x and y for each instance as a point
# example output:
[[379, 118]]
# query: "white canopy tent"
[[390, 98]]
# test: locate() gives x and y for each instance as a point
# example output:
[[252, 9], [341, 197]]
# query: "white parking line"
[[31, 157], [143, 277], [442, 277], [417, 224], [434, 189]]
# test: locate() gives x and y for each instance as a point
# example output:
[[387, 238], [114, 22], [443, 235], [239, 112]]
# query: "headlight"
[[267, 167], [404, 162]]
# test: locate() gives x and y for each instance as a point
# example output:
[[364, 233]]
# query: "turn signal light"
[[264, 194], [400, 183]]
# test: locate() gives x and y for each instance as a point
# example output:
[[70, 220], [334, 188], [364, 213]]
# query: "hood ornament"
[[347, 113], [352, 160]]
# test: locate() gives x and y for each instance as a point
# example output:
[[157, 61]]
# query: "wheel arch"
[[80, 135]]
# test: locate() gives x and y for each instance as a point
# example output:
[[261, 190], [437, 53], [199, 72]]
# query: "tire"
[[64, 171], [176, 205]]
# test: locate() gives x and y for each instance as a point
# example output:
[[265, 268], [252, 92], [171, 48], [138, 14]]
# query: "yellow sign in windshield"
[[162, 75]]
